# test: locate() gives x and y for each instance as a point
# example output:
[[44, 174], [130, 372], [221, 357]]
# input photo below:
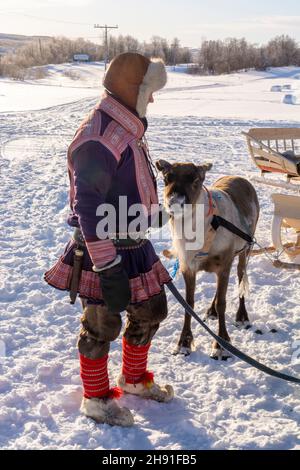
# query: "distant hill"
[[11, 42]]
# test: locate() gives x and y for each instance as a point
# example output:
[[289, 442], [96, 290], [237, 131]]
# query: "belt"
[[128, 242], [118, 242]]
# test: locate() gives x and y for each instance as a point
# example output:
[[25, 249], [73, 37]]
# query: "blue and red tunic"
[[108, 159]]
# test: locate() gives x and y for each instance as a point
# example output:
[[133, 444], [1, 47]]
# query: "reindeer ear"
[[163, 166], [207, 166], [204, 168]]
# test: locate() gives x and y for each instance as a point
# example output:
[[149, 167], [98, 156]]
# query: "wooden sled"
[[286, 224], [275, 150], [278, 151]]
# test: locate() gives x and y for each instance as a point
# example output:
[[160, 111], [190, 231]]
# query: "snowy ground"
[[243, 95], [217, 405]]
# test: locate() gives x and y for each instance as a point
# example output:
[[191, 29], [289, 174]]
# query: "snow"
[[58, 87], [244, 95], [217, 405]]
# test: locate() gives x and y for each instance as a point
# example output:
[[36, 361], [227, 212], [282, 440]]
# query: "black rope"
[[150, 163]]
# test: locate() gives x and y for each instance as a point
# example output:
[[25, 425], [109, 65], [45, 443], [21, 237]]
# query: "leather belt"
[[118, 242]]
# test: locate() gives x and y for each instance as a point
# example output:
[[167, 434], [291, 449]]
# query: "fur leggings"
[[100, 326]]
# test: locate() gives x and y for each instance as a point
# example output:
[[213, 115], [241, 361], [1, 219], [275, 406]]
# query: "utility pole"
[[40, 46], [175, 47], [106, 29]]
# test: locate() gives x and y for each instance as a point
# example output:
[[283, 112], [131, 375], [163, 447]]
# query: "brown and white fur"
[[235, 200]]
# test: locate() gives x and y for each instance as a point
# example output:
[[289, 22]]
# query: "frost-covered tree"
[[234, 54], [282, 51]]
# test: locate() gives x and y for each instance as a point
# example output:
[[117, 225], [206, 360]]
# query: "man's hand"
[[115, 288]]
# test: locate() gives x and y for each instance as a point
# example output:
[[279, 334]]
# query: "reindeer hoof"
[[245, 325], [220, 354], [184, 347], [210, 315], [184, 351]]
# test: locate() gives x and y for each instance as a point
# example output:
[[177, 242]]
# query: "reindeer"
[[234, 199]]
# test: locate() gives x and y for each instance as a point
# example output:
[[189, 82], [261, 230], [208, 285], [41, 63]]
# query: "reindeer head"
[[183, 182]]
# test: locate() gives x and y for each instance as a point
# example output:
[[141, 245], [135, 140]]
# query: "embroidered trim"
[[122, 115], [142, 287], [144, 180], [117, 136], [101, 252]]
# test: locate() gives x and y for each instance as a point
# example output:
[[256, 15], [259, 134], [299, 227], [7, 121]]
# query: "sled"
[[277, 151]]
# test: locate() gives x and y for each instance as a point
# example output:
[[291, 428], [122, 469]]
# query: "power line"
[[4, 12], [106, 28]]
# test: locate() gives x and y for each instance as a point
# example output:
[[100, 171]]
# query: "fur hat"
[[132, 78]]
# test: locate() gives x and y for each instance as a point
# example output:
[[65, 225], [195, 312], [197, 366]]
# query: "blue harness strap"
[[175, 269]]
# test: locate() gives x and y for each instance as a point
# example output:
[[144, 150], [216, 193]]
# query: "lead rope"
[[265, 252], [221, 341], [151, 166], [228, 346]]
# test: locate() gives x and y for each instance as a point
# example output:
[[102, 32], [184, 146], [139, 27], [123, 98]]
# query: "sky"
[[189, 20]]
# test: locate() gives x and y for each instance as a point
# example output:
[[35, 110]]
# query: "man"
[[108, 159]]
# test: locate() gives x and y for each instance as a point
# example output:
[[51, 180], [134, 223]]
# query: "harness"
[[216, 222]]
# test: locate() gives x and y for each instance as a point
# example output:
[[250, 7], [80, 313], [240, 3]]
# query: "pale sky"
[[189, 20]]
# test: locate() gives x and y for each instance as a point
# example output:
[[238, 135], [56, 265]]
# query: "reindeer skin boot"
[[136, 380], [99, 401]]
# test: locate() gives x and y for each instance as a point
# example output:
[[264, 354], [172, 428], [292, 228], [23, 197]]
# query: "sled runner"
[[277, 151]]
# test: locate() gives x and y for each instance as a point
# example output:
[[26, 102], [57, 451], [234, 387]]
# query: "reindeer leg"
[[220, 304], [242, 318], [186, 341], [211, 313]]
